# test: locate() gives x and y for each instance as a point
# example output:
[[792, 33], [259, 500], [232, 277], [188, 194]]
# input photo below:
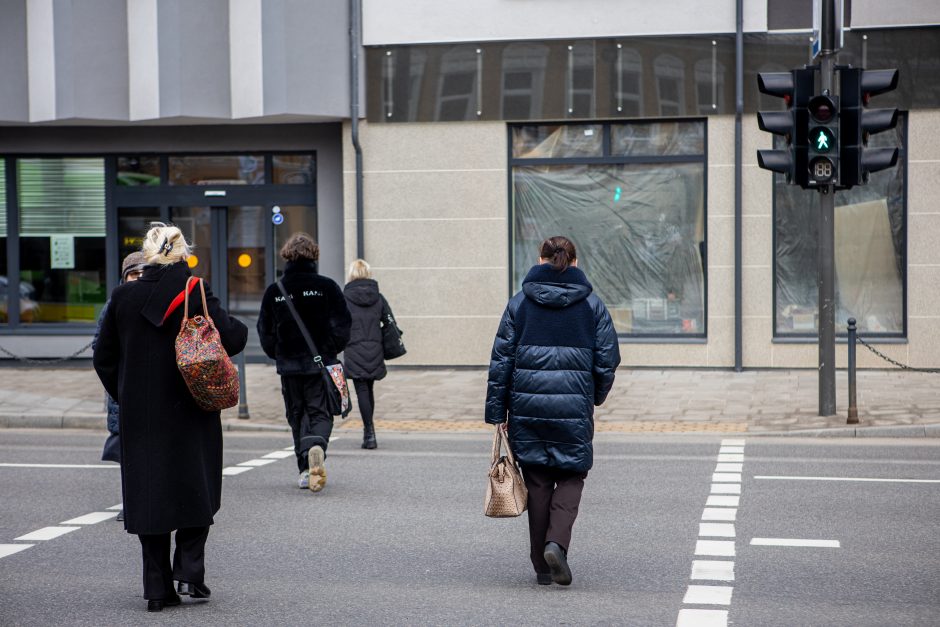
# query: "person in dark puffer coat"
[[553, 361], [363, 358]]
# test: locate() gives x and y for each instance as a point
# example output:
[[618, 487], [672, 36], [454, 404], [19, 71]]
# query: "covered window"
[[870, 252], [632, 198]]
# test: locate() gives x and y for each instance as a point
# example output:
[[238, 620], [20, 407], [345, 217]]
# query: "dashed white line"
[[731, 449], [719, 500], [716, 530], [726, 488], [726, 477], [702, 618], [11, 549], [47, 533], [713, 570], [732, 442], [118, 507], [235, 470], [90, 519], [825, 544], [726, 467], [254, 463], [730, 457], [717, 548], [708, 595], [74, 466], [870, 479], [719, 513], [279, 454]]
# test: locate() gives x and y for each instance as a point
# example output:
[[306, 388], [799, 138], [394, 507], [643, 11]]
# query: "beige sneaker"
[[315, 458]]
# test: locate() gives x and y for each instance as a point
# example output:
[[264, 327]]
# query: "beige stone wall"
[[436, 234]]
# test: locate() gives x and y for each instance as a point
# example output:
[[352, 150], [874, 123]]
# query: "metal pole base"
[[853, 417]]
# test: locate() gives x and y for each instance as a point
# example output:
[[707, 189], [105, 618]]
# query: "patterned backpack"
[[209, 373]]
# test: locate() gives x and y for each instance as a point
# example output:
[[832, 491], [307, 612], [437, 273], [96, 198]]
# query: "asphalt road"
[[398, 536]]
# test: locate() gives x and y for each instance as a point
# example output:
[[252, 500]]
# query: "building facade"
[[485, 127]]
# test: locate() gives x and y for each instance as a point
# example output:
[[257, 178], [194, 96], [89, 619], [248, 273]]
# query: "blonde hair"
[[165, 244], [359, 269]]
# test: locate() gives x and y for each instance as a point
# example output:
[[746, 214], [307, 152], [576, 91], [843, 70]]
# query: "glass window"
[[4, 280], [62, 239], [639, 228], [629, 82], [557, 141], [217, 170], [294, 169], [869, 252], [296, 218], [523, 80], [457, 84], [580, 87], [133, 224], [660, 138], [135, 171]]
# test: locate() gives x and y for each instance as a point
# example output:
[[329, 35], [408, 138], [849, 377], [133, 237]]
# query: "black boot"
[[368, 434]]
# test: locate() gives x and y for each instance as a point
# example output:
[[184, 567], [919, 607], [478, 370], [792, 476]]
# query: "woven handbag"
[[208, 371], [506, 494]]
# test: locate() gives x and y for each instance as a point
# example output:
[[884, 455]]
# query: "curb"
[[893, 431]]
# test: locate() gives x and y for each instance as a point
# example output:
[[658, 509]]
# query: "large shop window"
[[632, 198], [61, 239], [870, 252]]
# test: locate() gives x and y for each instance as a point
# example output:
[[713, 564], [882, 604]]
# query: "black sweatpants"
[[189, 561], [554, 498], [309, 419], [365, 398]]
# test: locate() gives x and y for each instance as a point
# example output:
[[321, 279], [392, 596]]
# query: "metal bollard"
[[853, 408], [242, 392]]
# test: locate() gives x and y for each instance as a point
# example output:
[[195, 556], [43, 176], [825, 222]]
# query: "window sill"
[[839, 340]]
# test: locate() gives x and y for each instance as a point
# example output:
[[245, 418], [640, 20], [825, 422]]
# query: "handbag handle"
[[205, 307], [303, 328], [498, 446]]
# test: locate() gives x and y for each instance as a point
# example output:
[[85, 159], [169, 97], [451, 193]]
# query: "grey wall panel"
[[194, 58], [91, 59], [14, 94], [873, 13]]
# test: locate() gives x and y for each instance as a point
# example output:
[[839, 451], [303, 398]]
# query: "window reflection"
[[670, 78], [581, 80], [629, 93], [136, 170], [457, 85], [523, 80], [217, 170]]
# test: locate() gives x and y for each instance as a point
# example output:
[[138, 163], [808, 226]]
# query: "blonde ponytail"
[[165, 244]]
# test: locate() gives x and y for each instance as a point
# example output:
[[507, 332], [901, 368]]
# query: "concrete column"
[[40, 55], [245, 58], [143, 59]]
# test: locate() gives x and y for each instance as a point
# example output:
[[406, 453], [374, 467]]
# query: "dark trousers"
[[554, 497], [189, 561], [366, 400], [310, 421]]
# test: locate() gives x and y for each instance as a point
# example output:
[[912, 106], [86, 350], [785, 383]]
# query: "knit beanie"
[[132, 262]]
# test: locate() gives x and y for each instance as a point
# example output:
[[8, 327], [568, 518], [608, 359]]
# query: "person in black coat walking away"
[[322, 309], [131, 269], [171, 450], [364, 357], [553, 361]]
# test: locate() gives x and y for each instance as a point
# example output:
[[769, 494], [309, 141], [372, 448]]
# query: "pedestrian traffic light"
[[858, 161], [795, 87], [823, 141]]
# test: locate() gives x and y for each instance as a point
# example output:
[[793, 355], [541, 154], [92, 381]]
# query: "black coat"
[[112, 446], [553, 360], [171, 450], [364, 356], [320, 305]]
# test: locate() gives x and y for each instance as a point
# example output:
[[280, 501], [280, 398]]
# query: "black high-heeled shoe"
[[194, 590], [157, 605]]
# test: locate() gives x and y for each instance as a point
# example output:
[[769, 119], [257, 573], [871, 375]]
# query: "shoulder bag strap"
[[189, 288], [303, 328], [178, 300]]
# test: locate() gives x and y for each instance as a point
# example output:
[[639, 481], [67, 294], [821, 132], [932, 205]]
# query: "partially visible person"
[[131, 269], [171, 450], [322, 309], [364, 360], [553, 361]]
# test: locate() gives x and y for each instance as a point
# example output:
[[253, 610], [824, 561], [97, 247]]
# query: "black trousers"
[[554, 498], [309, 419], [189, 561], [366, 399]]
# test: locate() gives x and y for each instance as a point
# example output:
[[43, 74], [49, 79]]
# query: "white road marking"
[[111, 466], [729, 467], [235, 470], [732, 442], [47, 533], [730, 457], [731, 449], [826, 544], [871, 479], [726, 477], [702, 618], [254, 463], [713, 570], [708, 595], [279, 454], [90, 519], [118, 507], [721, 548], [288, 448], [719, 513], [716, 500], [10, 549], [716, 530], [726, 488]]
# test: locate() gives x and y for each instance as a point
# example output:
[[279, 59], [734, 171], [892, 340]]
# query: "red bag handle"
[[178, 300]]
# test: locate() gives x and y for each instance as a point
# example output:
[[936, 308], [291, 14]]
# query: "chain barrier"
[[46, 362], [893, 361]]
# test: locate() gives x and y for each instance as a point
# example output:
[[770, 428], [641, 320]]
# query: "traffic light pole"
[[825, 277]]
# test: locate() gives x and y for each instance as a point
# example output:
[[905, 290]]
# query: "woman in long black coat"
[[553, 360], [171, 450], [363, 358]]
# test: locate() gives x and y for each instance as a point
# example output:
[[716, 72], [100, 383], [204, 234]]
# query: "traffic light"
[[858, 161], [823, 141], [795, 87]]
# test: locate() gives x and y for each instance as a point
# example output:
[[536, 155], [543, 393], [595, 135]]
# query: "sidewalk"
[[769, 402]]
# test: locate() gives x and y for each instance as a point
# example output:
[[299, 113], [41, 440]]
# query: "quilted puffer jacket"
[[553, 360]]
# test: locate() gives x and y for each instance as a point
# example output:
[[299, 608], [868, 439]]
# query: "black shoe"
[[120, 516], [368, 441], [157, 605], [194, 590], [544, 579], [558, 562]]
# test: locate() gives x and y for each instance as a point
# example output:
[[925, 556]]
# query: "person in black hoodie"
[[553, 360], [364, 357], [322, 309]]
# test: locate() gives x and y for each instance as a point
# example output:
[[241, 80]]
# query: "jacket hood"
[[170, 281], [550, 288], [300, 265], [362, 292]]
